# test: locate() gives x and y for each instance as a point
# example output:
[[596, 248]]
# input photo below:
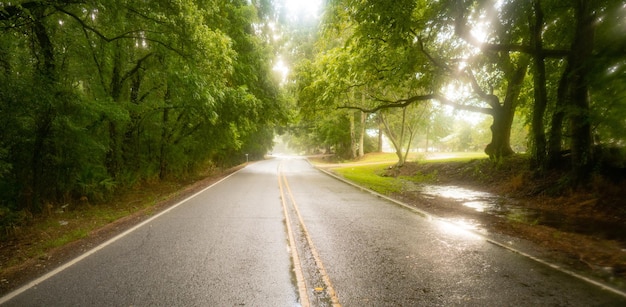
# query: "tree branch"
[[136, 68], [462, 31], [435, 62], [129, 34], [492, 100], [403, 103]]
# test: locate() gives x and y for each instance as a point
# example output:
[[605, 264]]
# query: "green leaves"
[[104, 94]]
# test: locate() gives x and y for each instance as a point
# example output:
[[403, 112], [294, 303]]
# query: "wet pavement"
[[234, 244], [510, 209]]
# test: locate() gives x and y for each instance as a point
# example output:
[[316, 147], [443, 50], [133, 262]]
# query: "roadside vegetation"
[[107, 107], [580, 228], [547, 77], [49, 238], [102, 98], [374, 171]]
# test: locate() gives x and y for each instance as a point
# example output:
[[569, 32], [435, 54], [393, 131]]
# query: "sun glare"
[[302, 9], [461, 93], [281, 68]]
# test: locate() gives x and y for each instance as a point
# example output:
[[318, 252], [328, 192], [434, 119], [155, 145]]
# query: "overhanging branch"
[[129, 34], [462, 31], [388, 104], [403, 103]]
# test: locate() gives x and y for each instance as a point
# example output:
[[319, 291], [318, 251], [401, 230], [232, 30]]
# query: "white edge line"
[[429, 217], [43, 278]]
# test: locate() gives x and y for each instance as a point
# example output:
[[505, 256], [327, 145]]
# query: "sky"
[[298, 10]]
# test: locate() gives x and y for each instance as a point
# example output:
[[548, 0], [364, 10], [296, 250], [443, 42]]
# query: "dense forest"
[[97, 96], [555, 68]]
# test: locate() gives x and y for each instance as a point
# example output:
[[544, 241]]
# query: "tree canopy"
[[100, 95], [547, 62], [96, 96]]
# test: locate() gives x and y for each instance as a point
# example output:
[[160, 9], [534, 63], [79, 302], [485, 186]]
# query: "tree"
[[97, 96], [396, 50]]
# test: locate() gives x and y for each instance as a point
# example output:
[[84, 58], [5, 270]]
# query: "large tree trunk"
[[580, 121], [558, 116], [380, 135], [538, 157], [500, 145], [44, 111], [113, 156]]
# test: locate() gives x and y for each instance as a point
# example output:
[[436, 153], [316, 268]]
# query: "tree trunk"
[[580, 121], [500, 145], [380, 134], [164, 144], [353, 142], [113, 155], [43, 113], [165, 135], [394, 141], [556, 130], [362, 135], [538, 158]]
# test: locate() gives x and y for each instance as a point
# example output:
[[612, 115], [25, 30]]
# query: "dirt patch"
[[582, 229]]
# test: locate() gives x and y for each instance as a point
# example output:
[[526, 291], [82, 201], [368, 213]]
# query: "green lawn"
[[421, 157], [368, 171], [369, 176]]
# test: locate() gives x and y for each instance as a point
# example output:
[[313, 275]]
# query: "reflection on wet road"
[[233, 245], [378, 253], [507, 208]]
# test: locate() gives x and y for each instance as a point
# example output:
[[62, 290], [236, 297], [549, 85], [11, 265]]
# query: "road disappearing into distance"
[[281, 233]]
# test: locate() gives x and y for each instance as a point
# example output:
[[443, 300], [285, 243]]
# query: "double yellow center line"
[[285, 192]]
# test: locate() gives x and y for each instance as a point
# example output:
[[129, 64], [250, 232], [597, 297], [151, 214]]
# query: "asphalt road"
[[280, 233]]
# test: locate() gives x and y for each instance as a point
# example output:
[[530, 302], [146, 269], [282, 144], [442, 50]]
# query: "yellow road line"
[[297, 266], [318, 261]]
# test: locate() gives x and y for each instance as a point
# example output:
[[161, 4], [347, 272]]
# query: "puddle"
[[480, 201], [509, 209]]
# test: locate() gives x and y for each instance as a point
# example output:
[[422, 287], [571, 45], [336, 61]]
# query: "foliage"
[[96, 97], [370, 177], [549, 74]]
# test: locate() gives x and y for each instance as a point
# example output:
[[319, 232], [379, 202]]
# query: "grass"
[[454, 156], [386, 157], [383, 157], [37, 237], [66, 238], [369, 170], [64, 225], [421, 178], [370, 177]]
